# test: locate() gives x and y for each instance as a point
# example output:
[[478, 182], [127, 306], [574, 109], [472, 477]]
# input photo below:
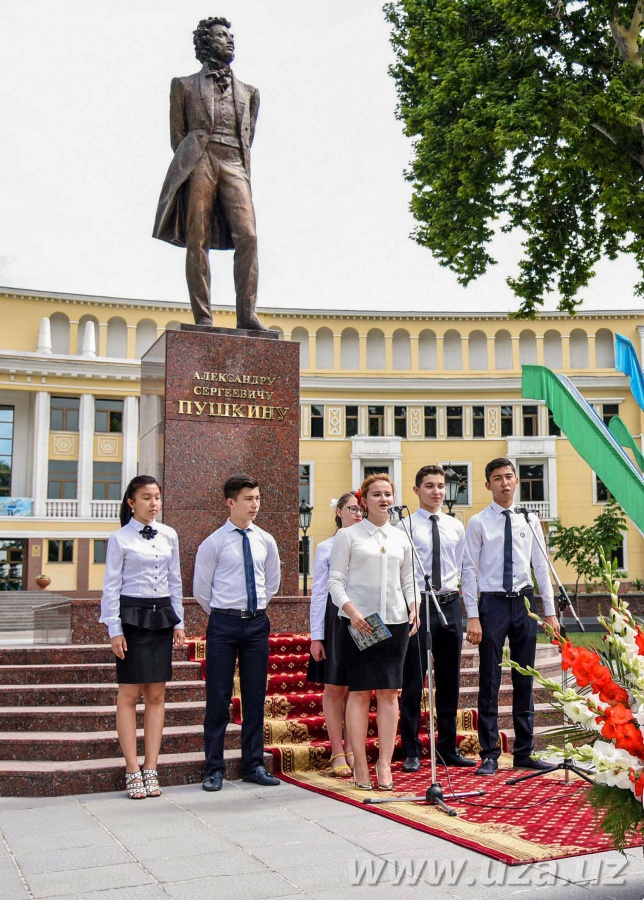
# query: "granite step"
[[82, 673], [70, 719], [90, 694], [74, 654], [63, 778], [546, 654], [54, 745]]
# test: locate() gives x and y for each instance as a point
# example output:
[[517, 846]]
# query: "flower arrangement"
[[605, 714]]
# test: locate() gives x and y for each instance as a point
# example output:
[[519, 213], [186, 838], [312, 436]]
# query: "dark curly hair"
[[202, 42]]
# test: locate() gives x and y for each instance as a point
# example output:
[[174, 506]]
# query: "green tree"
[[580, 546], [528, 114]]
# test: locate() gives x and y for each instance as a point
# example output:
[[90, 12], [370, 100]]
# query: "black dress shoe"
[[213, 782], [488, 766], [411, 764], [261, 776], [529, 763], [457, 759]]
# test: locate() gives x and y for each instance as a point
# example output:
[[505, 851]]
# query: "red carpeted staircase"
[[57, 712]]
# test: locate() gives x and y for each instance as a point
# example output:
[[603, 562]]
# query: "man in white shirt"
[[237, 571], [500, 548], [439, 540]]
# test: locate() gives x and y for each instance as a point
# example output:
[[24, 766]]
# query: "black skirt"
[[379, 667], [330, 670], [148, 627]]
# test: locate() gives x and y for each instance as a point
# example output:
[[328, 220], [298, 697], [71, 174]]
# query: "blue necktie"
[[507, 553], [249, 570]]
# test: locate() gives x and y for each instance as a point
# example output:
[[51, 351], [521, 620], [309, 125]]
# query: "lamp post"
[[453, 484], [305, 523]]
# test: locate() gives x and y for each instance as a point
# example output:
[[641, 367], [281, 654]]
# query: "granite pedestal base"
[[215, 404]]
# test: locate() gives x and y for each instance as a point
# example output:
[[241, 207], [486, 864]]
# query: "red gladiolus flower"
[[584, 667], [638, 782], [569, 654], [639, 639], [629, 738]]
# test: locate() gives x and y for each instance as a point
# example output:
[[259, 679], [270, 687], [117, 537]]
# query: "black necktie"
[[249, 570], [436, 554], [148, 532], [507, 553]]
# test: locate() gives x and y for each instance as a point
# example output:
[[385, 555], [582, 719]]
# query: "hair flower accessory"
[[333, 503]]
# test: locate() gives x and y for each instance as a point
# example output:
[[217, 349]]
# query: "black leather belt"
[[239, 613], [447, 598], [511, 595]]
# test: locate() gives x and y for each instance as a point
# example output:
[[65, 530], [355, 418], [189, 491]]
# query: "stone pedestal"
[[214, 404]]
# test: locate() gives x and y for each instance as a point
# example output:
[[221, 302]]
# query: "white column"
[[640, 331], [44, 336], [88, 348], [85, 455], [130, 440], [41, 452]]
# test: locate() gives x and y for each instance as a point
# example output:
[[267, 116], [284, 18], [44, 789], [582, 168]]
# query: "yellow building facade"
[[378, 392]]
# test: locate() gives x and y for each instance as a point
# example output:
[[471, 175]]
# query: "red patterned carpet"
[[544, 818]]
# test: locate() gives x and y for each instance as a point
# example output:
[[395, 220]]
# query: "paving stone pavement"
[[257, 843]]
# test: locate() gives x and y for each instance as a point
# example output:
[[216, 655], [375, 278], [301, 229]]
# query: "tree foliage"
[[581, 546], [528, 114]]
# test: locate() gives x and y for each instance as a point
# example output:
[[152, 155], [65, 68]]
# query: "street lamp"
[[305, 523], [453, 484]]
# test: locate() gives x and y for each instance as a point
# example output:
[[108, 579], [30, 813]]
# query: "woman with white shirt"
[[143, 610], [325, 665], [371, 572]]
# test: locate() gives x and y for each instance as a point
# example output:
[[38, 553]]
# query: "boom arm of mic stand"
[[428, 588], [564, 600]]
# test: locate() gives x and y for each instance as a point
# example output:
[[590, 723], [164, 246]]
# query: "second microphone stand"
[[434, 793], [563, 603]]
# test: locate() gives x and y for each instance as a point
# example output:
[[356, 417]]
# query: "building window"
[[317, 421], [478, 421], [107, 481], [454, 421], [608, 410], [61, 484], [109, 416], [376, 421], [64, 413], [305, 482], [60, 551], [531, 483], [350, 421], [12, 555], [381, 469], [530, 421], [100, 549], [602, 494], [507, 424], [553, 429], [6, 449], [431, 430], [400, 421]]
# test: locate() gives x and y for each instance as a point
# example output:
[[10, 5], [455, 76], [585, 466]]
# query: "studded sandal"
[[135, 786], [151, 782]]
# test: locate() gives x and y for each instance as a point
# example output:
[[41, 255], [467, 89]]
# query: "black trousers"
[[229, 639], [503, 617], [446, 649]]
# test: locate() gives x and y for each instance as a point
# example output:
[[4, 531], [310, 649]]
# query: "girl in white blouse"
[[326, 664], [371, 572], [143, 610]]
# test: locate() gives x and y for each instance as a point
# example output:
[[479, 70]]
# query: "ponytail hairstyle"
[[138, 482], [342, 502]]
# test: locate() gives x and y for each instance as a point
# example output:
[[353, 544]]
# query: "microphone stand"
[[563, 603], [434, 793]]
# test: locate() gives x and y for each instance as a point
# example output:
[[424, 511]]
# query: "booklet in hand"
[[380, 632]]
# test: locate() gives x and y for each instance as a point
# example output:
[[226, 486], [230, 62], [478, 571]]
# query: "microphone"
[[523, 511], [397, 509]]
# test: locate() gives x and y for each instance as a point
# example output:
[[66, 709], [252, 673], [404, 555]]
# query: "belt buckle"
[[246, 614]]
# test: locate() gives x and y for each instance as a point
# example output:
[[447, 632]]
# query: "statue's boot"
[[246, 317]]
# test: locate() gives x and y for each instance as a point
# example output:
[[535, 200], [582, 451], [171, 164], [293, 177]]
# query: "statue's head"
[[214, 41]]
